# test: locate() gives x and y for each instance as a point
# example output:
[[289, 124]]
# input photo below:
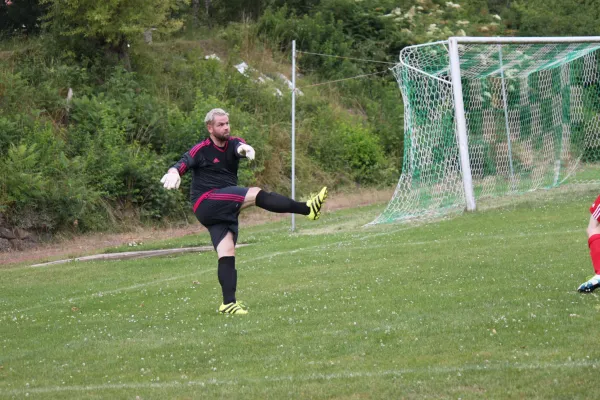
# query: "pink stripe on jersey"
[[197, 147], [182, 168], [238, 138]]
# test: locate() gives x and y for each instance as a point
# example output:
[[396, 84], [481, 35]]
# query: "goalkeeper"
[[217, 200], [593, 231]]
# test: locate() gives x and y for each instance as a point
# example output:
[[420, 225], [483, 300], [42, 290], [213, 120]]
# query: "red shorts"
[[595, 209]]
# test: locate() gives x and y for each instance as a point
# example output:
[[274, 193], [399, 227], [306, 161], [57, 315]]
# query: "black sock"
[[280, 204], [227, 278]]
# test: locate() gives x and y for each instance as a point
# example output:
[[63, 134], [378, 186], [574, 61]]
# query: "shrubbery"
[[94, 162]]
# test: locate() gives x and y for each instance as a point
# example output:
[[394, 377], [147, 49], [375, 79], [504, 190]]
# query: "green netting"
[[533, 121]]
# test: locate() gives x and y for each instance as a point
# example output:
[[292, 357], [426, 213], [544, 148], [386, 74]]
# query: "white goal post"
[[493, 116]]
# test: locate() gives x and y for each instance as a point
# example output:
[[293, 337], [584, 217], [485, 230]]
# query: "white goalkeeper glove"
[[171, 180], [246, 150]]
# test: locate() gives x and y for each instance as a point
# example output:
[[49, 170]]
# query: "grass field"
[[479, 306]]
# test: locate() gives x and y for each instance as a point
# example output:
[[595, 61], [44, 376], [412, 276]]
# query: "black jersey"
[[212, 167]]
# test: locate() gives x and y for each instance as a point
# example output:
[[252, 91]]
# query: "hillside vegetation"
[[92, 115]]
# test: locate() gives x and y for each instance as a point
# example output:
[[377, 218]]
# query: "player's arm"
[[172, 179], [244, 149]]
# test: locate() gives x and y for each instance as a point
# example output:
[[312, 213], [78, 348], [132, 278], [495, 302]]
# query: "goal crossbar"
[[526, 40]]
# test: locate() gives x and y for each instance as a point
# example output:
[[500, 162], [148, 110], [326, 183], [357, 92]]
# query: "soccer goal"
[[490, 117]]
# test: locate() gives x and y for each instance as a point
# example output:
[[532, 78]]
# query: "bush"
[[351, 147], [98, 159], [41, 188], [10, 134]]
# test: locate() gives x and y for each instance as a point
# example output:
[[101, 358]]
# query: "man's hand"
[[171, 180], [246, 150]]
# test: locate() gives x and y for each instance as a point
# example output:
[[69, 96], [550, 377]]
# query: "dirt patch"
[[133, 254], [92, 244], [5, 55], [96, 243]]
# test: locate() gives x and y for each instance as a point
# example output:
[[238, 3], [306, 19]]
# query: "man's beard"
[[222, 136]]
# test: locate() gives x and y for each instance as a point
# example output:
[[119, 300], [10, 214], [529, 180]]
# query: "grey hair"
[[210, 116]]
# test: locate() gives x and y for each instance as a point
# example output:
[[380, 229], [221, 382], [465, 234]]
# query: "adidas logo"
[[216, 160]]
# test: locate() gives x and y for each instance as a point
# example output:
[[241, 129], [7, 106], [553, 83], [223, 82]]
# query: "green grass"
[[479, 306], [587, 172]]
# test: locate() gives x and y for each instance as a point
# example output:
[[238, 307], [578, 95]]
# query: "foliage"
[[347, 148], [109, 24], [41, 188], [557, 17], [370, 30], [96, 158], [20, 17], [10, 134]]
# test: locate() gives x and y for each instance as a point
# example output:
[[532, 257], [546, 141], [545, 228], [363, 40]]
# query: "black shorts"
[[218, 211]]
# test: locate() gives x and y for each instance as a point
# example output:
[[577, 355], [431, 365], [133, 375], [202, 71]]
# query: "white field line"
[[108, 292], [506, 366], [155, 282], [150, 283], [270, 255]]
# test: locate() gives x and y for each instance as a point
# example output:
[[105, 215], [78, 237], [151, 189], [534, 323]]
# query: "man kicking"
[[217, 200], [593, 231]]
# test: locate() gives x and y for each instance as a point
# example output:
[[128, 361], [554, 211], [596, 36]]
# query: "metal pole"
[[293, 130], [461, 124], [505, 105]]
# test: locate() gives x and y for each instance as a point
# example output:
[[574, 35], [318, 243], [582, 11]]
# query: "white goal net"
[[524, 115]]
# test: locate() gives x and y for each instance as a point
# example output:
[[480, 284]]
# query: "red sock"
[[594, 243]]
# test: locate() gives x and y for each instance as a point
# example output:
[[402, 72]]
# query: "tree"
[[225, 11], [557, 17], [19, 16], [110, 24]]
